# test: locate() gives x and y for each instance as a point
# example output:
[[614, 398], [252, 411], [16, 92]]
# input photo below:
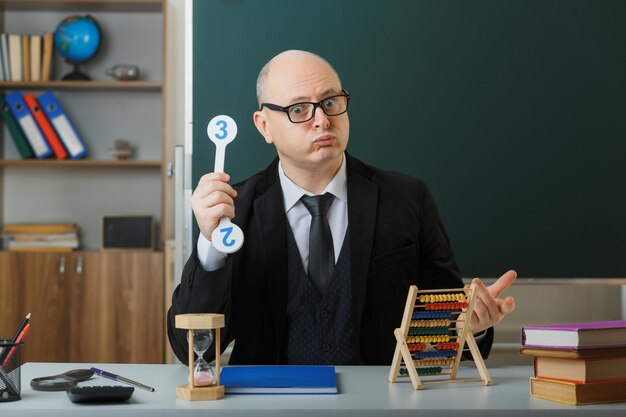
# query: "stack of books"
[[57, 237], [578, 363], [25, 57]]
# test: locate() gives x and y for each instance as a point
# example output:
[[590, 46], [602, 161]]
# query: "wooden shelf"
[[84, 85], [123, 5], [84, 1], [93, 163]]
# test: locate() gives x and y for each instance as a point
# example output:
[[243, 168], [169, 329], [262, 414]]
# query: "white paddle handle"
[[220, 155]]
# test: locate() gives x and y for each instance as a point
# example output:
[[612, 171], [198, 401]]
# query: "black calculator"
[[100, 394]]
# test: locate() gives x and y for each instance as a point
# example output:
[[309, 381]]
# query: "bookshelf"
[[82, 191], [102, 110]]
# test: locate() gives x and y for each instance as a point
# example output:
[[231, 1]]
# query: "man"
[[284, 300]]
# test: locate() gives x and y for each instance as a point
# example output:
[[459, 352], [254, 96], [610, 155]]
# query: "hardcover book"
[[581, 353], [576, 335], [581, 370], [572, 393], [279, 380]]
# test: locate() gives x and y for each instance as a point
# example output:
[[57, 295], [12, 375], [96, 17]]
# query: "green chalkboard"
[[514, 113]]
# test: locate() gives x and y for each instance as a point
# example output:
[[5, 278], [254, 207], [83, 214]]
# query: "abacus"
[[430, 340]]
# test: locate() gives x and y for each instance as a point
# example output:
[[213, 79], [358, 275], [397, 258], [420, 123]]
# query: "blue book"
[[52, 108], [287, 379]]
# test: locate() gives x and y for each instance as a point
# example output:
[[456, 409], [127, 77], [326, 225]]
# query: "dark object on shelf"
[[78, 40], [100, 394], [121, 150], [127, 232], [124, 72]]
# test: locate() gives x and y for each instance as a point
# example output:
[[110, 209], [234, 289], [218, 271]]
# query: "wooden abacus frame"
[[464, 335], [192, 322]]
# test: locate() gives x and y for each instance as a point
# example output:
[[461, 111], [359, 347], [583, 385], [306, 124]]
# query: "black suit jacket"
[[396, 237]]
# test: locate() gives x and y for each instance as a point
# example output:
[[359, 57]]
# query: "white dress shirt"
[[298, 217]]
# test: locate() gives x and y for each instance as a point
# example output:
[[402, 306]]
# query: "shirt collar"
[[292, 193]]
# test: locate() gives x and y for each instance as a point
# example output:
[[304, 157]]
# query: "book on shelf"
[[575, 394], [286, 379], [6, 64], [581, 370], [29, 245], [45, 127], [35, 57], [21, 143], [55, 113], [25, 119], [35, 236], [580, 353], [26, 57], [39, 228], [576, 335], [15, 57], [46, 58], [2, 70]]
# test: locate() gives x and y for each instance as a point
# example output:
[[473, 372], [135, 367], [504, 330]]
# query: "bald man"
[[383, 231]]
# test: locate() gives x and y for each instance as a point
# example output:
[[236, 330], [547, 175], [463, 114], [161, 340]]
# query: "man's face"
[[314, 144]]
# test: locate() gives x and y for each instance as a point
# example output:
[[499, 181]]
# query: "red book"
[[44, 125]]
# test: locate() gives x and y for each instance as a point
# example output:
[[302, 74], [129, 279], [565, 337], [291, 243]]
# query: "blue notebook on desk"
[[287, 379]]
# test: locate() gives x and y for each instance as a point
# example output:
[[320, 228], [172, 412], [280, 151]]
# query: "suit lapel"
[[362, 208], [271, 223]]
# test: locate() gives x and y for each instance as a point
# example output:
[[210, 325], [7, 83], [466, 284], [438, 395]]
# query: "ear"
[[261, 123]]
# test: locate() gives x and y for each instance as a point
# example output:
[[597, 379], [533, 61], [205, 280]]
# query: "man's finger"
[[484, 295], [507, 305], [502, 283]]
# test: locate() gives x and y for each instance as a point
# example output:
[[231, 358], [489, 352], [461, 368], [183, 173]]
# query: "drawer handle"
[[62, 265], [79, 265]]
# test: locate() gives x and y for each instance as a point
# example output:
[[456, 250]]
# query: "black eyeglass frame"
[[276, 107]]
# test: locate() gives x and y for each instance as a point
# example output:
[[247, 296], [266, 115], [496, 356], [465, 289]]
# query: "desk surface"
[[364, 391]]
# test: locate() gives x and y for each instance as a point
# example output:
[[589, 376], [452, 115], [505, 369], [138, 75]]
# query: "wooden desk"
[[364, 391]]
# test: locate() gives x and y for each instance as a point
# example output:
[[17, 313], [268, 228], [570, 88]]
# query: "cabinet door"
[[117, 307], [11, 311], [45, 279]]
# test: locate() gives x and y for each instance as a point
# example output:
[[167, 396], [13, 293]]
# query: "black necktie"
[[321, 251]]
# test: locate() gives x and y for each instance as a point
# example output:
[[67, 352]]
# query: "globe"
[[77, 39]]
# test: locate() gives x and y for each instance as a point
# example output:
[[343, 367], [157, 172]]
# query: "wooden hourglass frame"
[[192, 322]]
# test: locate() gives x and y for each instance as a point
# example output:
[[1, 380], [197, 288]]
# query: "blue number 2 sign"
[[227, 232]]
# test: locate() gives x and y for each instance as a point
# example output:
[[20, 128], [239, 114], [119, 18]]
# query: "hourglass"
[[202, 373], [203, 383]]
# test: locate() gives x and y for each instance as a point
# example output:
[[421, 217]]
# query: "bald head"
[[283, 63]]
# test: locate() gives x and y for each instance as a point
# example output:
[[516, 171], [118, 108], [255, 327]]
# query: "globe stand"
[[76, 75]]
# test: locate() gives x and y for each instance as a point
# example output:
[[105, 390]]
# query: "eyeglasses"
[[303, 112]]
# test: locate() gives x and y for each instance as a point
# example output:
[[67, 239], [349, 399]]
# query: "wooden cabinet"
[[9, 295], [117, 312], [86, 306]]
